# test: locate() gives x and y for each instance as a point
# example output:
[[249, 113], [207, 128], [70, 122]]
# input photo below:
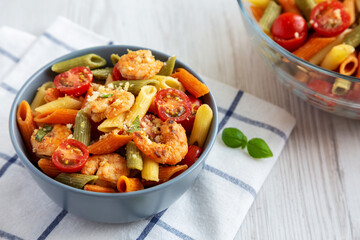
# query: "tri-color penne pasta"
[[124, 134], [324, 33]]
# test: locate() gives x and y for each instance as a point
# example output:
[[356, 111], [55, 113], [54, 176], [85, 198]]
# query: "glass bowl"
[[295, 72]]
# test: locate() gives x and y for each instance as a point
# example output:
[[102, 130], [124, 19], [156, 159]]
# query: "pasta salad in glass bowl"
[[313, 47], [125, 128]]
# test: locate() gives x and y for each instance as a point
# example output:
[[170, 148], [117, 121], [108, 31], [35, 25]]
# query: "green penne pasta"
[[272, 11], [341, 86], [91, 61], [305, 7], [134, 86], [75, 179], [168, 67], [133, 156], [353, 37], [82, 128], [114, 58], [102, 73]]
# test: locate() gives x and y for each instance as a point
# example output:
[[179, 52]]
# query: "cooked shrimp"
[[108, 103], [108, 167], [49, 143], [139, 64], [169, 148]]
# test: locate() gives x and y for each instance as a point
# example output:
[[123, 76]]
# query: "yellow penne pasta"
[[168, 82], [203, 118], [40, 94], [150, 170], [112, 123], [260, 3], [141, 105], [63, 102], [336, 56], [320, 55]]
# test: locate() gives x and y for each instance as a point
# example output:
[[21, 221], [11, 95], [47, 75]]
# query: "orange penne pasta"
[[358, 70], [289, 6], [125, 184], [166, 173], [257, 12], [48, 167], [97, 188], [109, 143], [191, 83], [88, 93], [25, 120], [349, 65], [349, 6], [58, 116], [312, 46]]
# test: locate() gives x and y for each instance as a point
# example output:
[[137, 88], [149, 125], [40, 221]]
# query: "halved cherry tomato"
[[329, 18], [70, 156], [74, 82], [289, 30], [172, 104], [189, 121], [116, 73], [321, 86], [192, 155]]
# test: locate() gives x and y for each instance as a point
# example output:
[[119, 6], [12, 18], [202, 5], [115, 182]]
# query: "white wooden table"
[[313, 191]]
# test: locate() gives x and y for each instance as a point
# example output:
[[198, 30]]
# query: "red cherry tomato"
[[70, 156], [289, 31], [74, 82], [172, 104], [321, 86], [116, 73], [353, 95], [192, 155], [189, 121], [329, 18]]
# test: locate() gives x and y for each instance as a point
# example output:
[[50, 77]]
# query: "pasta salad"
[[116, 129], [324, 33]]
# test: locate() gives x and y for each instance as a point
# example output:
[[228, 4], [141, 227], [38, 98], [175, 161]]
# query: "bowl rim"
[[27, 162], [288, 54]]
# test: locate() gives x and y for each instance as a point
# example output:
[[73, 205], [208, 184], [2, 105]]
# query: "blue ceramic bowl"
[[107, 207]]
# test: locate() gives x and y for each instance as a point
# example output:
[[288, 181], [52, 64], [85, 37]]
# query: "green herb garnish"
[[234, 138], [42, 132], [256, 147], [135, 126], [106, 95]]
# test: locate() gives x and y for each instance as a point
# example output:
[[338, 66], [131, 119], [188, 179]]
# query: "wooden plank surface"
[[313, 191]]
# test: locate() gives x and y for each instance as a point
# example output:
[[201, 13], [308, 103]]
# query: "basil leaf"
[[234, 138], [135, 126], [42, 132], [258, 148], [106, 95]]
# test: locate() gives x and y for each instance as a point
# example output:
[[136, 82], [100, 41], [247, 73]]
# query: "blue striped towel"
[[213, 208]]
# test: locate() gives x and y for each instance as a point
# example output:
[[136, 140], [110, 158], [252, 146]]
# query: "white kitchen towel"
[[213, 208]]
